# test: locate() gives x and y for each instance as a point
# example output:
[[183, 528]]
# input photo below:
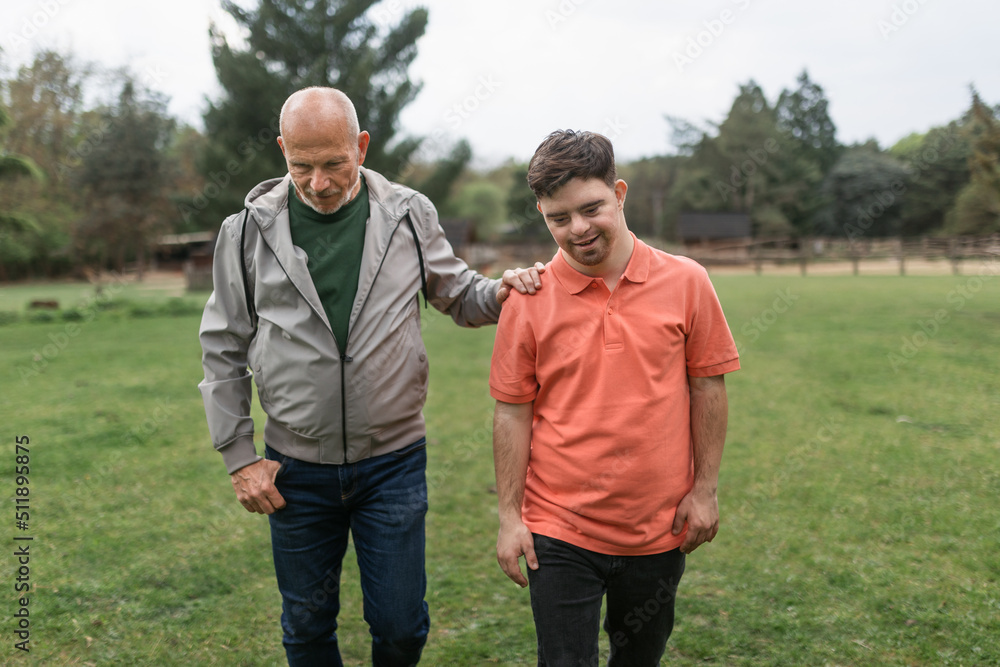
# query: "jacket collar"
[[268, 202]]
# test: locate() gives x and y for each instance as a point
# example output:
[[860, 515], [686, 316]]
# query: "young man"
[[610, 418]]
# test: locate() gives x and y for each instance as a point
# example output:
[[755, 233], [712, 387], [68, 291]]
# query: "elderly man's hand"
[[254, 486], [525, 281]]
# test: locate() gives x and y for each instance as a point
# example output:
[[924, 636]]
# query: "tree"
[[522, 207], [482, 202], [809, 149], [291, 44], [126, 177], [651, 204], [768, 161], [45, 105], [16, 229], [438, 184], [937, 166], [737, 169], [183, 156], [803, 115], [865, 188], [977, 207]]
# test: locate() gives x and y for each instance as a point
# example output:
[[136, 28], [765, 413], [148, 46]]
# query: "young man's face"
[[586, 219]]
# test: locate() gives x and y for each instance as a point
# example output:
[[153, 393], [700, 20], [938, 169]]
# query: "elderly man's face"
[[323, 160]]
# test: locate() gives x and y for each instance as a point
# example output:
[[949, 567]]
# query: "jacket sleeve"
[[225, 336], [452, 287]]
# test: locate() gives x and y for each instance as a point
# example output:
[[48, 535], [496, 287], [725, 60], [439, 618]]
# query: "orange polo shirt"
[[608, 373]]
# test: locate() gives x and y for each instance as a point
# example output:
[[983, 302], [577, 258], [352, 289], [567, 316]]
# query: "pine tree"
[[351, 45]]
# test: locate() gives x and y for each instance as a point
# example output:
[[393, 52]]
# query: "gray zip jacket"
[[328, 401]]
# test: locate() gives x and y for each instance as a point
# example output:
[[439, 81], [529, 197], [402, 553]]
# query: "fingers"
[[696, 537], [511, 545], [522, 280], [529, 556], [702, 524], [512, 568], [502, 293], [255, 489], [525, 281]]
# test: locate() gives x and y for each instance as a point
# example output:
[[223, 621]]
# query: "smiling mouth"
[[588, 243]]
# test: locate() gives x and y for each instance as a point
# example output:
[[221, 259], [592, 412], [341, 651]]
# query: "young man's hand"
[[513, 541], [700, 511]]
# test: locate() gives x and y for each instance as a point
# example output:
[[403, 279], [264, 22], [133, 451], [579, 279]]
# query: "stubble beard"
[[593, 256], [306, 195]]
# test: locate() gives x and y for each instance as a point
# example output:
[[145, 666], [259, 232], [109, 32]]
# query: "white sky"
[[505, 74]]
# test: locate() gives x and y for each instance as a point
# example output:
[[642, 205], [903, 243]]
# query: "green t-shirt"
[[333, 243]]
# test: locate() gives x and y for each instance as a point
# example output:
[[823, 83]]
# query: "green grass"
[[858, 491]]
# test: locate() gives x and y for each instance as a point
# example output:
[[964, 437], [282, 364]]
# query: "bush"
[[9, 317], [42, 316], [178, 307], [142, 310]]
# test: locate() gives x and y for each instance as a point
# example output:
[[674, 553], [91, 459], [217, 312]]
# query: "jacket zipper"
[[346, 358]]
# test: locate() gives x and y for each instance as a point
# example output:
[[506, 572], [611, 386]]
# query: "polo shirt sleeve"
[[709, 346], [512, 369]]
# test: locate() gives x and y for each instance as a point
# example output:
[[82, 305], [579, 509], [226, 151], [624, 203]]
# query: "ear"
[[621, 187], [363, 139], [538, 205], [282, 145]]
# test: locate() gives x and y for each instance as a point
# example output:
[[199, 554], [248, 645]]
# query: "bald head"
[[323, 147], [326, 107]]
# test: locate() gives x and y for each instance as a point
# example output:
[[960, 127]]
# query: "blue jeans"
[[382, 503], [566, 593]]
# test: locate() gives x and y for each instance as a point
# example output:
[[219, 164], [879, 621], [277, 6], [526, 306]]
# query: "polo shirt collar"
[[636, 271]]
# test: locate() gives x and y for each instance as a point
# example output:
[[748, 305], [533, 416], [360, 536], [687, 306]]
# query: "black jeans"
[[566, 594]]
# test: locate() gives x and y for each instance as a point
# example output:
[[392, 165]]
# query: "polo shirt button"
[[611, 311], [594, 284]]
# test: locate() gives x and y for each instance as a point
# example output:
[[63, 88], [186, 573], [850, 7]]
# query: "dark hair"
[[565, 155]]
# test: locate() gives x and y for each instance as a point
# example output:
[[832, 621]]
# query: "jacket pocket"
[[394, 379], [256, 357]]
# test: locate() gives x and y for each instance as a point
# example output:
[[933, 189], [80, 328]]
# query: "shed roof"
[[695, 226]]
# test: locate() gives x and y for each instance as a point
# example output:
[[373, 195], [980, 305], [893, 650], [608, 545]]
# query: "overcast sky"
[[505, 74]]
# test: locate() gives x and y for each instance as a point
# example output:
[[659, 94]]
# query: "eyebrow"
[[336, 159], [590, 204]]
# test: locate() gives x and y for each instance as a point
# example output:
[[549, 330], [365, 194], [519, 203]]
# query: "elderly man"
[[317, 288]]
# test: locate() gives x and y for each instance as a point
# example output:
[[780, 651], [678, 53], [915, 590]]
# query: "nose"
[[319, 181], [578, 225]]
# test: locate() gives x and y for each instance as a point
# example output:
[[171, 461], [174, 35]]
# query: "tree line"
[[782, 164], [93, 169]]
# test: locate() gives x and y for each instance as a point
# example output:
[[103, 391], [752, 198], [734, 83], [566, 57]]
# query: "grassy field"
[[860, 523]]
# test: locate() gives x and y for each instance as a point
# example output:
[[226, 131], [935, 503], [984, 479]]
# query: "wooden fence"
[[817, 251]]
